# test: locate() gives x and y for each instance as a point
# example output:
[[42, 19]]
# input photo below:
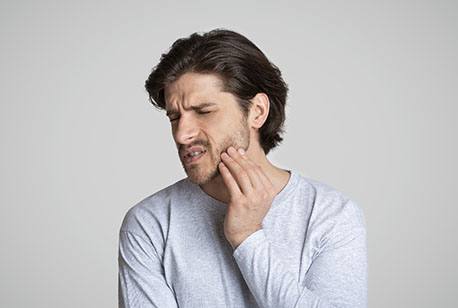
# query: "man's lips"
[[187, 154], [191, 159]]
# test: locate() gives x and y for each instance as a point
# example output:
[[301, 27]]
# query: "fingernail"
[[241, 151]]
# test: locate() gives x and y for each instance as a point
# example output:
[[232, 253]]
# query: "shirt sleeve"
[[141, 281], [337, 277]]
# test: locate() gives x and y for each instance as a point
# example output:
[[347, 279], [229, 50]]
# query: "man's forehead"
[[195, 101], [192, 88]]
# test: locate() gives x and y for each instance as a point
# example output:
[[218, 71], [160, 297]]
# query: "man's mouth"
[[194, 156]]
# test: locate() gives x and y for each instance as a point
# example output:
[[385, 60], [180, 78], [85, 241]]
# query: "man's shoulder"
[[161, 196], [330, 202], [320, 190], [153, 208]]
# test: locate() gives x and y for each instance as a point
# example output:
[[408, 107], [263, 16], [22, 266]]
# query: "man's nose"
[[186, 130]]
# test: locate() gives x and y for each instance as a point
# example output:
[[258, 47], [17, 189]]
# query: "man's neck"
[[279, 178]]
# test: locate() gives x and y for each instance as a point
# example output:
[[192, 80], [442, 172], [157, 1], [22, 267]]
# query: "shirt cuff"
[[252, 241]]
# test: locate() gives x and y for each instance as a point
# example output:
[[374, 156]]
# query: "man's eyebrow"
[[200, 106]]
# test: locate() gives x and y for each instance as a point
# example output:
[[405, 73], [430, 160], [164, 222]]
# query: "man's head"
[[220, 72]]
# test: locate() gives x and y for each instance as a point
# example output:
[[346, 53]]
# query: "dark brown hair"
[[242, 66]]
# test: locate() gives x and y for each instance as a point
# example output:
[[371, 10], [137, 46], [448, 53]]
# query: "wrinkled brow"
[[195, 107]]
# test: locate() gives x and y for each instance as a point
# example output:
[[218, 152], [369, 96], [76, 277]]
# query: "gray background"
[[372, 112]]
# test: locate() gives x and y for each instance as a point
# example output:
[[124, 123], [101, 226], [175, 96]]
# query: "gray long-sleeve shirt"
[[310, 252]]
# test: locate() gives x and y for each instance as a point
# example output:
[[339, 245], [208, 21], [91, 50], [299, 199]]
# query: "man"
[[238, 231]]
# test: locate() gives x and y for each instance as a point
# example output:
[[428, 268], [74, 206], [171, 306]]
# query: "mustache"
[[183, 147]]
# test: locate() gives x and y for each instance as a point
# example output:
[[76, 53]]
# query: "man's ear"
[[259, 110]]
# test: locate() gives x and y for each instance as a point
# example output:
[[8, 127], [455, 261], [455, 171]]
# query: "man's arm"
[[141, 275], [337, 277]]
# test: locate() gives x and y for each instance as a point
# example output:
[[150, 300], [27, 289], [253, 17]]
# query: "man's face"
[[205, 122]]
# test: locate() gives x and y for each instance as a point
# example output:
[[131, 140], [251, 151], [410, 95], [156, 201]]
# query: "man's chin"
[[201, 178]]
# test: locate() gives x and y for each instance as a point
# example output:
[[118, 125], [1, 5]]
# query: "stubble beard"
[[207, 170]]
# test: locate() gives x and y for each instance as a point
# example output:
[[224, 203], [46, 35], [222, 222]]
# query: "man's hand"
[[251, 195]]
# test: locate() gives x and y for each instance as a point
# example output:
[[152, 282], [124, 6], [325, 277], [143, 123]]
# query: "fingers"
[[253, 171], [229, 180], [265, 184], [238, 173], [249, 176]]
